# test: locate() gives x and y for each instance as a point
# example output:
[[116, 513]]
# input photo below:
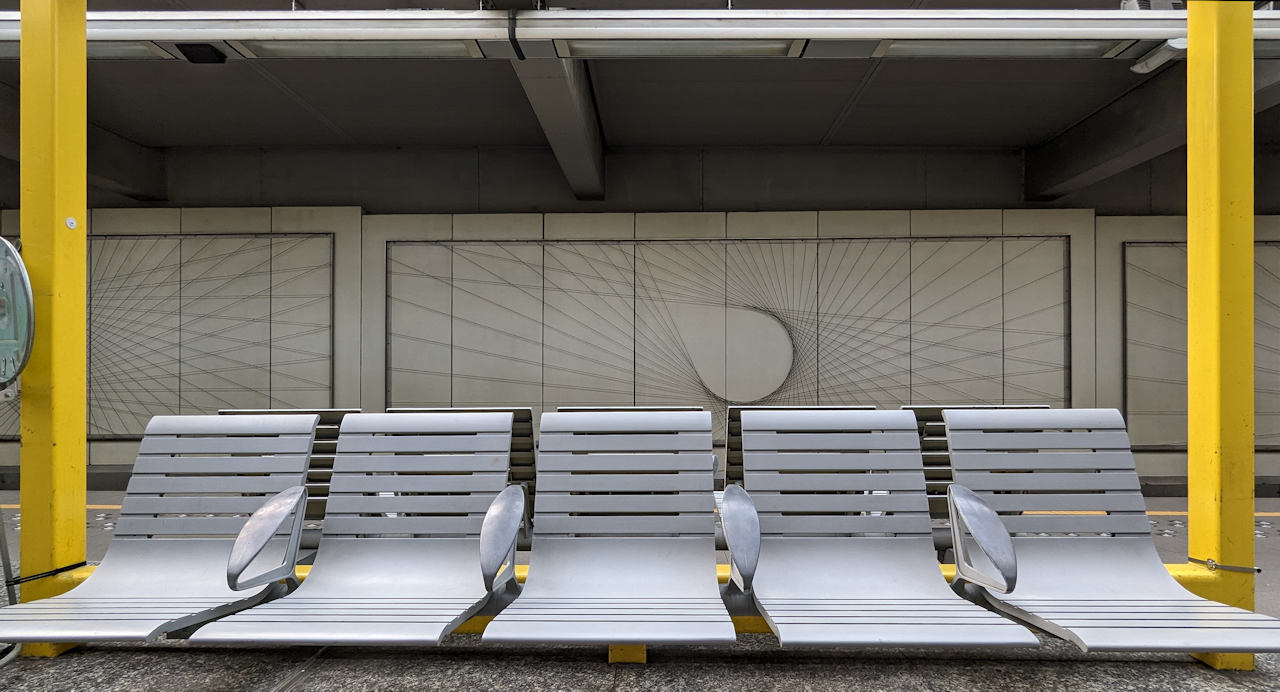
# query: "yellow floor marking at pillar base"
[[628, 653], [475, 625], [46, 649], [750, 624]]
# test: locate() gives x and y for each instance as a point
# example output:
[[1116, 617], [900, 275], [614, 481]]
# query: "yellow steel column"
[[1220, 300], [52, 165]]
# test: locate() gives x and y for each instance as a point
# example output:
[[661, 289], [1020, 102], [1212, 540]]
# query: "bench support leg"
[[628, 653], [53, 178], [1220, 296]]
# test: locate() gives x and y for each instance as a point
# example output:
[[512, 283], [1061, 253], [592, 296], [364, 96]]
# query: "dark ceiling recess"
[[201, 53]]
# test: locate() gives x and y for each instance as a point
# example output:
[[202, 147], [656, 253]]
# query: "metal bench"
[[623, 545], [195, 482], [834, 543], [417, 527], [1064, 483]]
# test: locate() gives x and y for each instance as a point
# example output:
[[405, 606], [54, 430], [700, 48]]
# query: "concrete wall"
[[398, 180], [196, 309]]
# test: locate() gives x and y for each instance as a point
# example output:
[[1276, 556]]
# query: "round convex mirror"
[[17, 316]]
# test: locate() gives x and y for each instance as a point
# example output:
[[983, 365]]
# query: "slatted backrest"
[[204, 475], [1057, 471], [625, 473], [933, 447], [835, 472], [733, 441], [323, 449], [417, 474]]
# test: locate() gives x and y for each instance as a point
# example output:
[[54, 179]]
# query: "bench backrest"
[[417, 474], [1056, 471], [835, 472], [625, 473], [202, 476]]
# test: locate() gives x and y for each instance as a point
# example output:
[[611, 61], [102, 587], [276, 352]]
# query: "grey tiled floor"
[[754, 663]]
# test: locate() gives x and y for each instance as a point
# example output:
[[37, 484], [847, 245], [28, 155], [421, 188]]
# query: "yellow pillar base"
[[1227, 661], [628, 653]]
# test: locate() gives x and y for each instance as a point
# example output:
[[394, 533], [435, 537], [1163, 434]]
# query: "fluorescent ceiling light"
[[1013, 48], [103, 50], [679, 48], [359, 49]]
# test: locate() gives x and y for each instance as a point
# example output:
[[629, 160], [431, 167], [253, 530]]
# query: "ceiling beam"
[[1147, 122], [560, 93], [115, 163]]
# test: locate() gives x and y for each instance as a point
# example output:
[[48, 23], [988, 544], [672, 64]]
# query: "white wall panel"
[[1156, 343], [771, 320], [419, 330], [134, 286], [497, 324], [956, 321], [225, 329], [680, 325], [301, 315], [1035, 320], [589, 337], [864, 322]]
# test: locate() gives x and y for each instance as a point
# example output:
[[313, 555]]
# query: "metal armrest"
[[741, 533], [498, 535], [970, 514], [257, 533]]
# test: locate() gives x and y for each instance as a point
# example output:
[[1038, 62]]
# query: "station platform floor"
[[754, 663]]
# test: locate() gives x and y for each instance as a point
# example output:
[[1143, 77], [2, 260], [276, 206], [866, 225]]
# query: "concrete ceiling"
[[707, 102], [169, 103]]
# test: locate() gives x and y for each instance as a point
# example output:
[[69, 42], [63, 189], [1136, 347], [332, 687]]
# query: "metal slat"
[[559, 461], [637, 525], [433, 463], [623, 442], [902, 480], [424, 444], [994, 441], [633, 422], [1078, 523], [350, 526], [1066, 502], [625, 482], [179, 526], [228, 504], [781, 441], [478, 482], [219, 465], [1107, 460], [844, 502], [550, 503], [445, 423], [850, 460], [916, 524], [209, 446], [1048, 481], [1032, 419], [160, 485], [412, 504]]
